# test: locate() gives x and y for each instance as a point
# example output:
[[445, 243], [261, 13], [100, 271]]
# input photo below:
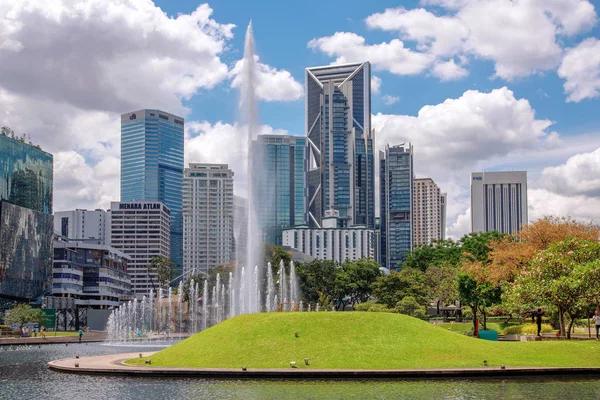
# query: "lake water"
[[24, 375]]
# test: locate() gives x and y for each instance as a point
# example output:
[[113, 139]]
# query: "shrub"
[[372, 307], [531, 329], [410, 306], [513, 330]]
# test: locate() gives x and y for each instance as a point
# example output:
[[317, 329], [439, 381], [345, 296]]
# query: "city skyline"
[[454, 93]]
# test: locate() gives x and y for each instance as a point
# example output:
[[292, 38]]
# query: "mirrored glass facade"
[[152, 166], [26, 175], [281, 187], [25, 252]]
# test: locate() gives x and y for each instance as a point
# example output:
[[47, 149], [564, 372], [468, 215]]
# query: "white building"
[[141, 230], [498, 201], [83, 224], [429, 212], [208, 209], [331, 242]]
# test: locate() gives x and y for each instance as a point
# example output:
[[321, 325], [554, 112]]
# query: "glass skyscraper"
[[340, 141], [26, 222], [281, 186], [397, 200], [152, 166]]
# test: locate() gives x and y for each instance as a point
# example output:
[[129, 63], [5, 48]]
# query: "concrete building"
[[341, 172], [141, 230], [207, 217], [280, 183], [331, 242], [498, 201], [83, 224], [26, 221], [152, 166], [397, 201], [429, 212], [92, 273]]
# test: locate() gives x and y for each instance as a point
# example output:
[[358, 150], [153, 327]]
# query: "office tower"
[[83, 224], [281, 186], [498, 201], [94, 274], [207, 218], [26, 221], [429, 212], [142, 231], [397, 199], [340, 141], [331, 242], [152, 166]]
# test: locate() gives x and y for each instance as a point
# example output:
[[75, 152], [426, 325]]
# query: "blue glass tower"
[[340, 139], [152, 166], [281, 186], [397, 195]]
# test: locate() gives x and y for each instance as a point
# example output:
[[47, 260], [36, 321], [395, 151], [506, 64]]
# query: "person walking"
[[538, 321], [596, 319], [80, 334], [43, 331]]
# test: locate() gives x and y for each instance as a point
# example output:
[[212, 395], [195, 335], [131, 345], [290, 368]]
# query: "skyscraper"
[[340, 141], [207, 217], [83, 224], [397, 200], [281, 187], [429, 212], [498, 201], [152, 166]]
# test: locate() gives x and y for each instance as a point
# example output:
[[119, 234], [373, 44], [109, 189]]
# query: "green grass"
[[353, 340]]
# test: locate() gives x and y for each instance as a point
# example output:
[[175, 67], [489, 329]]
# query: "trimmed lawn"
[[359, 340]]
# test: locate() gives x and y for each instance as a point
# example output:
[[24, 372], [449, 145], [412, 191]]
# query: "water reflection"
[[23, 374]]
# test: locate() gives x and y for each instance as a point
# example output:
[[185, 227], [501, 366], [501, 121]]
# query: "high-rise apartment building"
[[83, 224], [340, 140], [397, 200], [498, 201], [429, 212], [26, 221], [280, 186], [142, 231], [207, 217], [152, 166]]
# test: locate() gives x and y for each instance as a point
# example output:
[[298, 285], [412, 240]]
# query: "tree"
[[440, 253], [410, 306], [478, 295], [314, 277], [353, 281], [24, 313], [163, 267], [390, 289], [566, 276], [276, 254], [441, 285]]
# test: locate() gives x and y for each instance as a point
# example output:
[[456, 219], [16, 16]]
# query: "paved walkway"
[[113, 365]]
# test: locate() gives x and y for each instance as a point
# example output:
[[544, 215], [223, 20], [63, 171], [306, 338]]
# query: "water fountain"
[[251, 288]]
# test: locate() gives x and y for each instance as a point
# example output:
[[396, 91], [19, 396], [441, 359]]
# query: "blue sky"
[[473, 84]]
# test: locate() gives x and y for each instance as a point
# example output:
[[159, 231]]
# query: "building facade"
[[152, 166], [429, 212], [208, 211], [498, 201], [26, 221], [397, 200], [94, 274], [281, 185], [142, 231], [331, 242], [83, 224], [340, 140]]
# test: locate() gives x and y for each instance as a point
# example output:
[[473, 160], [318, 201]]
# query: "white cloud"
[[389, 100], [580, 68], [271, 84], [448, 71], [579, 175], [545, 202], [375, 84], [390, 56], [222, 143]]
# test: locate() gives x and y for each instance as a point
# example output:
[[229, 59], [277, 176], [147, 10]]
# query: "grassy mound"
[[353, 340]]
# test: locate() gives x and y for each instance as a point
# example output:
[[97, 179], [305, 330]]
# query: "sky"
[[475, 85]]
